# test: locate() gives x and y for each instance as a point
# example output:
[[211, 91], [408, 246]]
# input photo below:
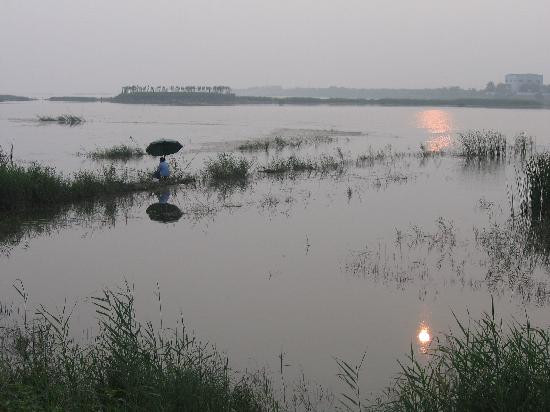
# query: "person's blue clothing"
[[164, 169]]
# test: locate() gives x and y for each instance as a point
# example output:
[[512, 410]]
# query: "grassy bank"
[[35, 186], [127, 366]]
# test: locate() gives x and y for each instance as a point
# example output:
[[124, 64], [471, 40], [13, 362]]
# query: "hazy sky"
[[96, 46]]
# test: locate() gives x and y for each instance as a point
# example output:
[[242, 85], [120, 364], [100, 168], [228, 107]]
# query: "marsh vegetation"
[[486, 364], [126, 366], [35, 186], [130, 365], [118, 152], [311, 208], [280, 142]]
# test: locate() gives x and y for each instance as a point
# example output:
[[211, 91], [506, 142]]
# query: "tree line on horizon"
[[176, 89]]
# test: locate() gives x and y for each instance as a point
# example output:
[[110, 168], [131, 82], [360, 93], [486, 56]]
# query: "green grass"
[[126, 366], [119, 152], [35, 186], [482, 144], [226, 167], [67, 119]]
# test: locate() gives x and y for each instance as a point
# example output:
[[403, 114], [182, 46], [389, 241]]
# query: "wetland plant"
[[482, 144], [537, 188], [227, 167], [524, 145], [279, 143], [293, 164], [119, 152], [35, 186], [67, 119], [126, 366], [485, 366]]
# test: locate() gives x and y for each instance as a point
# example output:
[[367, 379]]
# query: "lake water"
[[315, 266]]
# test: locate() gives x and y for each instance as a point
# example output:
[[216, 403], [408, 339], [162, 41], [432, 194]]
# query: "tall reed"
[[127, 366], [486, 366], [482, 144]]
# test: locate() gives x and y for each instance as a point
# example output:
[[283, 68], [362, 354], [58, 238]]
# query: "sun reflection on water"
[[424, 337], [439, 125]]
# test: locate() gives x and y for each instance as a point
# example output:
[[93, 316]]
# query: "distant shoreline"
[[12, 98], [206, 99]]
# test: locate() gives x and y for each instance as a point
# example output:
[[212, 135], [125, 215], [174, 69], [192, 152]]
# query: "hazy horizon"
[[73, 46]]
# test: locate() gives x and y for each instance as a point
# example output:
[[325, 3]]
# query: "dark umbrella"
[[164, 212], [163, 147]]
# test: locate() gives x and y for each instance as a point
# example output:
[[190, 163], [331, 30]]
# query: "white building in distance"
[[516, 81]]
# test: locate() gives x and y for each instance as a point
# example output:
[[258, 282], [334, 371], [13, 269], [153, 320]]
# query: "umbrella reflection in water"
[[163, 211]]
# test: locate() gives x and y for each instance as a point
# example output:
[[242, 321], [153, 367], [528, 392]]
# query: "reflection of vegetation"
[[485, 366], [120, 152], [20, 226], [67, 119], [127, 366]]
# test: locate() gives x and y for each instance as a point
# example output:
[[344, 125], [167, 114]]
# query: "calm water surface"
[[314, 266]]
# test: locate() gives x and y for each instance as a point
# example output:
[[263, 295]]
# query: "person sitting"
[[163, 170]]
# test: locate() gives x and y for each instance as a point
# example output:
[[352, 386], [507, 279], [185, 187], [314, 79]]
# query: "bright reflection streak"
[[439, 124]]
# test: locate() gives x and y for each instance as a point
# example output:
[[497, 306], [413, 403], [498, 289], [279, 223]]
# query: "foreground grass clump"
[[487, 366], [67, 119], [127, 366], [227, 167], [482, 144], [120, 152], [37, 186]]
